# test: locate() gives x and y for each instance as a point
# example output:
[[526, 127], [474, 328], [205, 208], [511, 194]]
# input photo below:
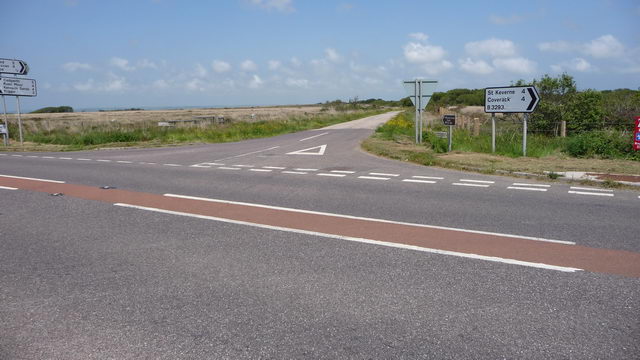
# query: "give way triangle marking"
[[320, 151]]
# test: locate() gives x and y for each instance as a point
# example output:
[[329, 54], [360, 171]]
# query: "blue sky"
[[150, 53]]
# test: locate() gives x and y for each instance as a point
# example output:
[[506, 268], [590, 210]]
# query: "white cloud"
[[248, 65], [577, 64], [420, 53], [557, 46], [220, 66], [145, 63], [492, 47], [160, 84], [115, 83], [121, 63], [296, 62], [285, 6], [200, 71], [505, 20], [517, 65], [255, 82], [332, 55], [301, 83], [195, 85], [475, 67], [419, 36], [604, 47], [437, 67], [274, 64], [86, 86], [75, 66]]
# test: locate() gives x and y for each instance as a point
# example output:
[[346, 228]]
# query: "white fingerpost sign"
[[11, 66], [15, 86], [420, 92]]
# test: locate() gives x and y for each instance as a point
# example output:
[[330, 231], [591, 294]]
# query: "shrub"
[[53, 109], [606, 144]]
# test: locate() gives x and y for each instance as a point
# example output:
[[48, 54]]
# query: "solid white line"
[[428, 177], [243, 166], [588, 193], [261, 170], [124, 162], [474, 185], [314, 136], [171, 164], [274, 167], [590, 189], [373, 178], [419, 181], [8, 188], [295, 172], [521, 184], [306, 169], [30, 178], [83, 159], [384, 174], [65, 158], [525, 188], [366, 219], [478, 181], [326, 174], [342, 172], [228, 168], [104, 160], [360, 240], [249, 153]]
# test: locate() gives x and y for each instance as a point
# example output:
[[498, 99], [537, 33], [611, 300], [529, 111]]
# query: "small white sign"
[[513, 99], [18, 87], [3, 129], [11, 66]]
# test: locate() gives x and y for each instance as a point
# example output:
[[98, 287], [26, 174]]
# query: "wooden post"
[[563, 128], [476, 127]]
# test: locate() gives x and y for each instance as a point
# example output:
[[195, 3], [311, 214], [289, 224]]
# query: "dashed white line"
[[102, 160], [3, 154], [48, 157], [33, 156], [261, 170], [342, 172], [589, 193], [274, 167], [16, 155], [295, 172], [206, 165], [249, 153], [243, 166], [8, 188], [383, 174], [540, 185], [477, 181], [314, 136], [590, 189], [171, 164], [228, 168], [65, 158], [124, 162], [373, 178], [473, 185], [334, 175], [428, 177], [83, 159], [30, 178], [305, 169], [525, 188], [419, 181], [147, 163]]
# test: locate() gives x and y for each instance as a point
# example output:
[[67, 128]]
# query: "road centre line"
[[314, 136], [334, 175], [477, 181], [355, 239], [301, 169], [30, 178], [295, 172], [33, 156], [3, 154], [342, 172], [373, 178], [472, 185], [249, 153], [522, 184], [228, 168], [428, 177], [16, 155], [83, 159], [101, 160], [261, 170], [65, 158], [124, 162], [48, 157], [589, 193], [525, 188], [419, 181], [243, 166], [220, 201], [148, 163], [171, 164], [274, 167], [383, 174], [8, 188], [589, 189]]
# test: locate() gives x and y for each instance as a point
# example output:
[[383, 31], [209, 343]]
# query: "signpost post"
[[636, 135], [420, 92], [511, 99], [15, 86], [450, 121]]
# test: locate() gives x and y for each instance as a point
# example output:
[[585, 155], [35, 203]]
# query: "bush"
[[608, 144], [54, 109]]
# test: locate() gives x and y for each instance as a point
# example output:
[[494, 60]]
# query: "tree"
[[585, 112], [555, 94]]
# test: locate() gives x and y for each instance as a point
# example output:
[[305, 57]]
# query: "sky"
[[170, 53]]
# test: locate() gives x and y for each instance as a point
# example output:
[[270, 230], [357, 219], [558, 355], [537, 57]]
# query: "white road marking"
[[171, 164], [249, 153], [83, 159], [30, 178], [314, 136], [477, 181], [3, 154], [16, 155], [589, 193], [33, 156], [243, 166], [295, 172], [360, 240], [206, 165], [305, 169], [590, 189], [65, 158], [228, 168], [373, 178], [124, 162], [335, 175], [428, 177], [419, 181], [220, 201], [274, 167], [48, 157], [261, 170], [540, 185], [104, 160], [525, 188], [321, 150], [148, 163], [383, 174], [8, 188], [342, 172], [474, 185]]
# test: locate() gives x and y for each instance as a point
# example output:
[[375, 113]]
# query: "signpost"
[[15, 86], [511, 99], [420, 92], [636, 135], [450, 121]]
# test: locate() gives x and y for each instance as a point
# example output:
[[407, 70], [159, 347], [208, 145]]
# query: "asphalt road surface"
[[303, 246]]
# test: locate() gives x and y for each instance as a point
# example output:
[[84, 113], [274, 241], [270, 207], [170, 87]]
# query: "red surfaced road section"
[[608, 261]]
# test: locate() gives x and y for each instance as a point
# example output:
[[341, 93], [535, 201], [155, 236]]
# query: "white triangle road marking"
[[308, 151]]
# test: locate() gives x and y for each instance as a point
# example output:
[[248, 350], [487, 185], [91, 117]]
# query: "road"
[[303, 246]]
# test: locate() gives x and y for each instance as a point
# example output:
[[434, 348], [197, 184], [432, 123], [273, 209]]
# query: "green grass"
[[150, 133]]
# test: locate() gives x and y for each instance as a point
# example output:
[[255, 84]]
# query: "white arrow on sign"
[[427, 87], [11, 66], [18, 87], [513, 99], [320, 151]]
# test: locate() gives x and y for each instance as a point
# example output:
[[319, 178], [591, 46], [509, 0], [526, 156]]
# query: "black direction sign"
[[449, 120], [11, 66]]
